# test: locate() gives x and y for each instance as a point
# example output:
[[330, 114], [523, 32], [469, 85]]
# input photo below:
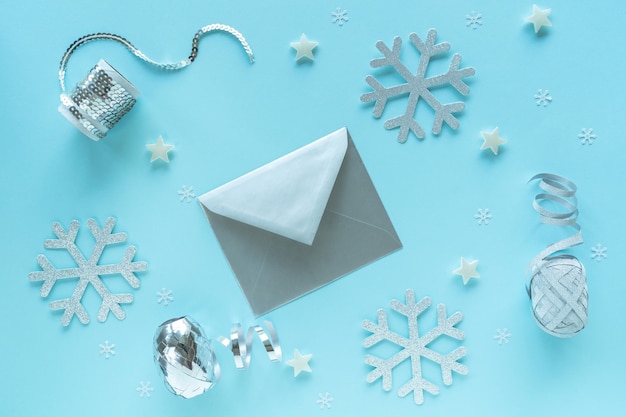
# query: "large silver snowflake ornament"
[[417, 85], [87, 271], [415, 347]]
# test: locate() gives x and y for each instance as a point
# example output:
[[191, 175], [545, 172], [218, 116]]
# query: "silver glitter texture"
[[105, 96], [414, 347], [558, 283], [88, 271], [417, 85], [99, 101], [185, 357]]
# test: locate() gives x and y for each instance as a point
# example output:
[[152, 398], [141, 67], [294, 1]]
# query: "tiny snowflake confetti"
[[88, 271], [186, 194], [414, 347], [418, 86], [502, 336], [339, 16], [164, 296], [106, 349], [144, 389], [598, 252], [587, 136], [474, 20], [483, 216], [325, 400], [543, 97]]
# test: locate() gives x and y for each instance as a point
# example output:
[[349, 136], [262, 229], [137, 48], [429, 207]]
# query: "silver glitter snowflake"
[[414, 347], [186, 194], [483, 216], [502, 336], [598, 252], [417, 85], [107, 349], [474, 20], [339, 16], [88, 271], [164, 296], [543, 97], [587, 136], [325, 400], [144, 389]]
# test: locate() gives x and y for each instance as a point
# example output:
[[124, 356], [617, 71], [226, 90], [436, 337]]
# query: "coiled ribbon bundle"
[[100, 100], [558, 283], [186, 359]]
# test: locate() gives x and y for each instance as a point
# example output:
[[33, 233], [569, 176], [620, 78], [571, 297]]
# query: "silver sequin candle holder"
[[99, 101], [185, 357]]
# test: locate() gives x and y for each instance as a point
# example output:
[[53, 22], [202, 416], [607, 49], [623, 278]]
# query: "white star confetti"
[[467, 270], [474, 20], [543, 97], [502, 336], [159, 150], [186, 194], [325, 400], [144, 389], [492, 141], [598, 252], [304, 48], [107, 349], [539, 18], [164, 296], [299, 362], [339, 16], [483, 216], [587, 136]]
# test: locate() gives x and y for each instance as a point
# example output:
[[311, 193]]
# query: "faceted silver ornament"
[[559, 298], [185, 357]]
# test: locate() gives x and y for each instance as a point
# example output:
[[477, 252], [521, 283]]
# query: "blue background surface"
[[227, 117]]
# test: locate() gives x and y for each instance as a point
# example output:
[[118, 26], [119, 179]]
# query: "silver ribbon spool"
[[185, 357], [100, 100], [558, 284]]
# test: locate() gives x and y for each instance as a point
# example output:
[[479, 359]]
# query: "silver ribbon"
[[105, 96], [558, 287], [241, 346], [185, 357]]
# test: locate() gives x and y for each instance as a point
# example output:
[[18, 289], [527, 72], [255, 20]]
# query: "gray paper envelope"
[[300, 222]]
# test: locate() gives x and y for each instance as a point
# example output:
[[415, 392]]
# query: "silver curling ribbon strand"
[[558, 286], [105, 96], [241, 345]]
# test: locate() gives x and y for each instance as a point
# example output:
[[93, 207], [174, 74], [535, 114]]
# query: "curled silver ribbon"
[[558, 287], [241, 346], [99, 101], [185, 357]]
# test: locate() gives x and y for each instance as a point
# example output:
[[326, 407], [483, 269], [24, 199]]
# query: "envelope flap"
[[287, 196]]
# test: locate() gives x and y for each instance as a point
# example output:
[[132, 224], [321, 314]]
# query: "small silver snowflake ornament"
[[415, 347], [417, 86], [587, 136], [107, 349], [598, 252], [88, 271], [502, 336], [483, 216], [474, 20], [542, 97], [325, 400], [339, 16]]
